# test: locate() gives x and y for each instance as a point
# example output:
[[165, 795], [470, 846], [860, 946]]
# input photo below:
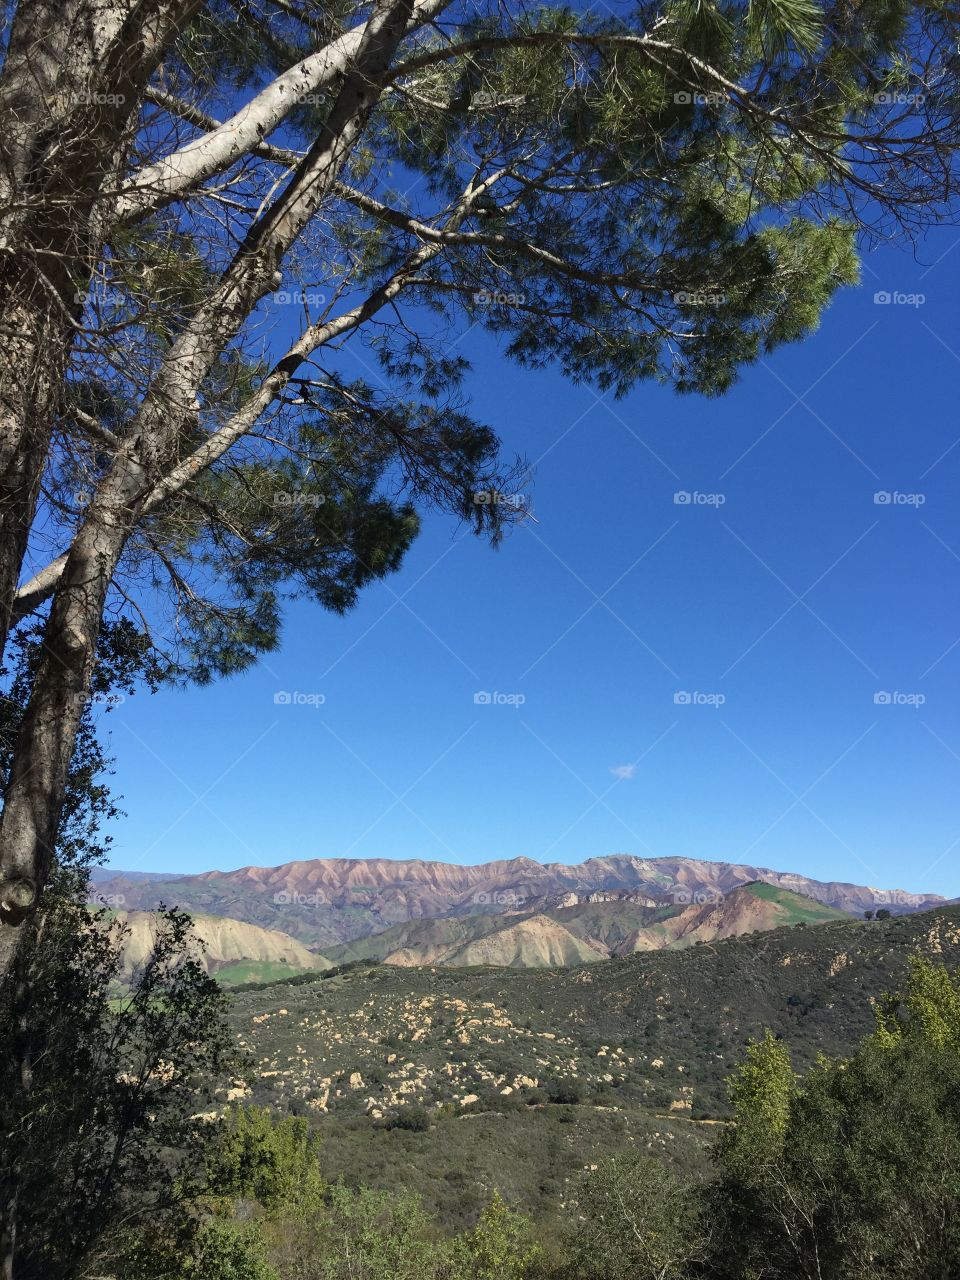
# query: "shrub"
[[414, 1118]]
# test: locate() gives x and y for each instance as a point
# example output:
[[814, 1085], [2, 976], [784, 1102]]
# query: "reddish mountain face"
[[325, 901]]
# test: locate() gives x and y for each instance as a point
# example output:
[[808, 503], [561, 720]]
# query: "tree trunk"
[[35, 791], [70, 93]]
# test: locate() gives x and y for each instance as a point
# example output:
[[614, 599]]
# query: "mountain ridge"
[[325, 902]]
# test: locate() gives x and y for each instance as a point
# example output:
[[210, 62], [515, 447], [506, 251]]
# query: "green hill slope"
[[528, 1074], [692, 1010], [750, 908], [796, 907]]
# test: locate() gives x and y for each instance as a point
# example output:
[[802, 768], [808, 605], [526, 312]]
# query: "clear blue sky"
[[797, 600]]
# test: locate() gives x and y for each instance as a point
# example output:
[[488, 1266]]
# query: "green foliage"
[[854, 1163], [194, 1246], [679, 191], [852, 1169], [778, 24], [866, 1176], [565, 1092], [365, 1235], [97, 1098], [259, 1156], [321, 521], [761, 1090], [499, 1247], [640, 1220], [927, 1012], [224, 1250], [379, 1235], [415, 1119]]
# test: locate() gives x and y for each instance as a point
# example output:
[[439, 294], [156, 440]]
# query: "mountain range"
[[515, 912]]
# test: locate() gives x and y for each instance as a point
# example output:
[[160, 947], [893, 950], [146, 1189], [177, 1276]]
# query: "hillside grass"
[[260, 971], [797, 907]]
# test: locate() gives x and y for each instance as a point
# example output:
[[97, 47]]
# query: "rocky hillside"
[[657, 1030], [324, 902], [233, 950], [455, 1081]]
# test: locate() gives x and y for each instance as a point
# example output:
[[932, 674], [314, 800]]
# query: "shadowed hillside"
[[584, 933]]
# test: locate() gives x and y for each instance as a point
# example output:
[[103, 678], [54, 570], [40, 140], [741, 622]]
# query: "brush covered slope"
[[324, 902], [584, 933], [454, 1081], [655, 1029]]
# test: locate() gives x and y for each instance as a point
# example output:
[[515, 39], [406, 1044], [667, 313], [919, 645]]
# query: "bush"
[[227, 1251], [565, 1091], [414, 1118], [259, 1156]]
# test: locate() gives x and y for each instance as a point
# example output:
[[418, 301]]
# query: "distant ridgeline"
[[516, 912]]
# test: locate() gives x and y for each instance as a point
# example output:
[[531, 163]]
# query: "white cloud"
[[623, 771]]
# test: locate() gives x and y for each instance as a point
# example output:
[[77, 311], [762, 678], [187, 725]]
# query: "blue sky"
[[695, 678]]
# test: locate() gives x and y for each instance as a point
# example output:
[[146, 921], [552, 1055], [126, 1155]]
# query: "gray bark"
[[186, 169]]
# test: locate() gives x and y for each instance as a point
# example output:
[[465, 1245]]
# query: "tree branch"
[[189, 167]]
